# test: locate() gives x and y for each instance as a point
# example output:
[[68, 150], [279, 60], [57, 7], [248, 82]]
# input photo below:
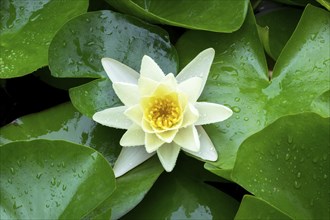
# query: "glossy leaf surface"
[[280, 25], [238, 78], [45, 179], [27, 27], [64, 122], [210, 15], [287, 165], [183, 194], [254, 208], [92, 36], [131, 189]]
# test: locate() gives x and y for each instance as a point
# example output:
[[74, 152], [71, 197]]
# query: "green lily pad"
[[238, 79], [27, 27], [295, 2], [280, 25], [287, 165], [63, 122], [209, 15], [325, 3], [127, 194], [88, 38], [261, 210], [183, 194], [45, 179]]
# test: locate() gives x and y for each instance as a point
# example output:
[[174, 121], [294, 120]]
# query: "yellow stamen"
[[163, 112]]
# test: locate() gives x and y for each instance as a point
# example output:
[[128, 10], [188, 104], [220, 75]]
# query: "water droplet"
[[227, 125], [246, 118], [237, 117], [26, 192], [19, 163], [63, 187], [290, 139], [297, 185], [90, 43], [287, 156], [64, 44], [15, 206], [57, 204], [38, 175], [10, 181], [12, 170], [325, 176], [53, 181], [315, 160], [47, 205], [237, 99], [215, 76], [236, 109], [325, 157], [298, 175]]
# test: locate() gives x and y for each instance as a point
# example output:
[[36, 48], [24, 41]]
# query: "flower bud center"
[[163, 112]]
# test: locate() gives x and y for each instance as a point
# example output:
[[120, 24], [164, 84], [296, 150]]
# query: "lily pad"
[[64, 122], [287, 165], [261, 210], [278, 26], [238, 79], [88, 38], [131, 189], [183, 194], [45, 179], [27, 27], [209, 15]]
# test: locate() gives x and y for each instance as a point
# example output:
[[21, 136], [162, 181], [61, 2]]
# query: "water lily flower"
[[161, 112]]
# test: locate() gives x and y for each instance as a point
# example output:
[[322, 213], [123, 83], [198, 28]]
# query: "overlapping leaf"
[[210, 15], [287, 165], [77, 49], [45, 179], [64, 122], [27, 27], [238, 79], [183, 194]]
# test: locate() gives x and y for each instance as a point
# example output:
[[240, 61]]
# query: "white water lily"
[[161, 112]]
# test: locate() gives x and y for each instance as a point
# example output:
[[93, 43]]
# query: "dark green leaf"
[[92, 36], [287, 165], [183, 194], [210, 15], [254, 208], [27, 27], [238, 78], [281, 24], [64, 123], [45, 179]]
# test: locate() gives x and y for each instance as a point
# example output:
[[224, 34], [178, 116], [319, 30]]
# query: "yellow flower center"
[[163, 112]]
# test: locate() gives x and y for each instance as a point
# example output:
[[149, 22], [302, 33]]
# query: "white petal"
[[128, 93], [146, 126], [190, 115], [207, 150], [198, 67], [113, 117], [211, 113], [191, 88], [167, 136], [152, 142], [129, 158], [187, 138], [170, 81], [150, 69], [134, 136], [135, 114], [168, 154], [147, 86], [119, 72]]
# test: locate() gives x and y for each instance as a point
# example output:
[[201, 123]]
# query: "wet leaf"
[[78, 47], [210, 15], [43, 179], [238, 79], [183, 194], [287, 165], [27, 27], [254, 208]]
